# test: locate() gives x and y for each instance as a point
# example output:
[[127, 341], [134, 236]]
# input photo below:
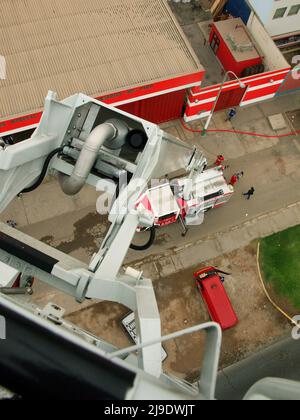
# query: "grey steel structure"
[[84, 141]]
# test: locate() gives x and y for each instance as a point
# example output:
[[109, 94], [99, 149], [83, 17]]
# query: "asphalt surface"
[[281, 360]]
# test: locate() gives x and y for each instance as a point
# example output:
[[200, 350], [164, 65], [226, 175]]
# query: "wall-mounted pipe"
[[103, 134]]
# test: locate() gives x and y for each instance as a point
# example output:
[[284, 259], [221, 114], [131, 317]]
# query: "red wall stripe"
[[212, 94], [20, 122], [261, 92], [157, 87], [198, 89], [158, 109]]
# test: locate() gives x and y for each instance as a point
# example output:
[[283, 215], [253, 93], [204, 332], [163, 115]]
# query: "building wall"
[[291, 83], [273, 58], [259, 88], [265, 10], [158, 109]]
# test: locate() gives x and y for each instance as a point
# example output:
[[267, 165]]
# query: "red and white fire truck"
[[186, 199]]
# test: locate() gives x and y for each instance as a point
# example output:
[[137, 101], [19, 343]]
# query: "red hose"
[[246, 133]]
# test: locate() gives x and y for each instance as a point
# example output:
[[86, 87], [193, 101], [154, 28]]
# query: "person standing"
[[231, 114], [250, 193], [234, 180], [240, 175], [220, 160]]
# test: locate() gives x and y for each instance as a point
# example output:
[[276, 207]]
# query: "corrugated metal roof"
[[90, 46]]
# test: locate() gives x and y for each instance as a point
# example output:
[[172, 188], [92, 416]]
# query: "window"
[[215, 43], [214, 195], [294, 10], [18, 137], [280, 13]]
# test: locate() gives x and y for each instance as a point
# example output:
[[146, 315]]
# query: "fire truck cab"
[[161, 203]]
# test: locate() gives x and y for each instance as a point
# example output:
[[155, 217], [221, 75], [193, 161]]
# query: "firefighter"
[[234, 180], [231, 114], [220, 160]]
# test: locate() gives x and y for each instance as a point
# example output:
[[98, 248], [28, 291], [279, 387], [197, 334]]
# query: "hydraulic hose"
[[245, 133], [148, 244], [44, 171]]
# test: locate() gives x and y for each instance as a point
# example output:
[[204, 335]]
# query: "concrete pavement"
[[282, 360], [215, 244]]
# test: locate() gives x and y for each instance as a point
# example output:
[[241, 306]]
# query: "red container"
[[226, 38], [209, 283]]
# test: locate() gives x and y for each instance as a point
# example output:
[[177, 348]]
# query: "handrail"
[[207, 383]]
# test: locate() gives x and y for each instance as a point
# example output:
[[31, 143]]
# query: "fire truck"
[[185, 200]]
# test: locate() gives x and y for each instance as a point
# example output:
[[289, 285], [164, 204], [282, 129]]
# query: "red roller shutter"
[[231, 98], [158, 109]]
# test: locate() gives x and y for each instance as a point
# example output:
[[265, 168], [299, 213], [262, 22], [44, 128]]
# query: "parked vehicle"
[[210, 284]]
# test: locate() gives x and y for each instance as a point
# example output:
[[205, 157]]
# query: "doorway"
[[215, 43], [230, 98]]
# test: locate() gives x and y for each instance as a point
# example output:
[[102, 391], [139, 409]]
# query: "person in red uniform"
[[220, 160], [234, 180]]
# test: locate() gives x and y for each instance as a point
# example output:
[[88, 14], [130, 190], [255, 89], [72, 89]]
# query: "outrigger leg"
[[184, 226]]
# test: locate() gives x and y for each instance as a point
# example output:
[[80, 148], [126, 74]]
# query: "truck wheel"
[[148, 244]]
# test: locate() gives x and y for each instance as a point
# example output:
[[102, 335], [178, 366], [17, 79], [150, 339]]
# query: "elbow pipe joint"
[[109, 134]]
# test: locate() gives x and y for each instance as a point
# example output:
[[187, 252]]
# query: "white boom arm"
[[85, 141]]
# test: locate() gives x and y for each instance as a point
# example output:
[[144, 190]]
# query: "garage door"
[[231, 98], [158, 109]]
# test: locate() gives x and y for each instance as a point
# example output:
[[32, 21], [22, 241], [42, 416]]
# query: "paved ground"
[[198, 38], [181, 306], [282, 360]]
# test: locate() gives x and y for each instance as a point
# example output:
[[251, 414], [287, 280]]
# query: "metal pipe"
[[72, 185], [172, 336], [242, 86], [102, 167], [16, 290]]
